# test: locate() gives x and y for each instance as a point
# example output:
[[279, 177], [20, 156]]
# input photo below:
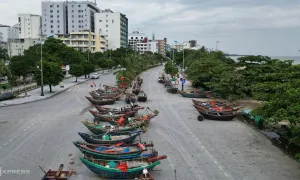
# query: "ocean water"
[[295, 58]]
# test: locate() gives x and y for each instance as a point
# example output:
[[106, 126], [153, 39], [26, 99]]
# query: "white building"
[[84, 41], [29, 25], [115, 26], [54, 18], [138, 41], [18, 46], [81, 15], [8, 32], [59, 17]]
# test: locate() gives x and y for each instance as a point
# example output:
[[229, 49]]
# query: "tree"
[[76, 70], [52, 74], [88, 68], [3, 54], [170, 69]]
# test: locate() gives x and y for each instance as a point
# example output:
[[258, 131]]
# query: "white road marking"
[[194, 136], [206, 151], [28, 127], [220, 168], [203, 147], [5, 144], [215, 162], [210, 156], [164, 136], [15, 137], [40, 148], [250, 134], [226, 174], [24, 129], [10, 140], [171, 163], [32, 124]]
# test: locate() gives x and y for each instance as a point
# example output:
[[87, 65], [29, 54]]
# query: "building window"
[[45, 25], [57, 16], [72, 11], [51, 6], [113, 21], [72, 5], [51, 26], [51, 11], [57, 26], [72, 16], [106, 15], [51, 16], [72, 21], [100, 20], [106, 20], [131, 37], [58, 6], [78, 5], [79, 11], [73, 27], [51, 21], [51, 31], [106, 25], [58, 31], [58, 21], [106, 30]]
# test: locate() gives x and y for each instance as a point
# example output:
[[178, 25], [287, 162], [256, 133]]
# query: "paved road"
[[41, 133]]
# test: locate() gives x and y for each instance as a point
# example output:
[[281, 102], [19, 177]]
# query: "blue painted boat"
[[111, 138]]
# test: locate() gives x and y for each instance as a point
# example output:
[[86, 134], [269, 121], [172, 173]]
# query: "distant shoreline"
[[296, 59]]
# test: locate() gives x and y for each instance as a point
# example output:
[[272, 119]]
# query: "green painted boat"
[[100, 129], [194, 95], [131, 169]]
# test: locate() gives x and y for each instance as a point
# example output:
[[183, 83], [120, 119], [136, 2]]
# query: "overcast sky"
[[266, 27]]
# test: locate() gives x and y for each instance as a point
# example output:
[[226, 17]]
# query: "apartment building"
[[114, 25], [8, 33], [29, 25], [84, 41], [63, 17], [18, 46], [162, 45], [138, 41]]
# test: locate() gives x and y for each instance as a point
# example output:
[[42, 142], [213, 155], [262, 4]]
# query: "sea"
[[295, 58]]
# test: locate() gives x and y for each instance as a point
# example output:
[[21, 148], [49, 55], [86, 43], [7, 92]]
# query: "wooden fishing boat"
[[194, 94], [141, 121], [106, 92], [113, 110], [112, 152], [111, 138], [97, 96], [172, 90], [122, 144], [115, 116], [57, 175], [129, 169], [217, 104], [100, 129], [101, 102], [215, 115], [142, 97]]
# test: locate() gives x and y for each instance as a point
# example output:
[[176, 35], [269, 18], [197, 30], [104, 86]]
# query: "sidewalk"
[[35, 95]]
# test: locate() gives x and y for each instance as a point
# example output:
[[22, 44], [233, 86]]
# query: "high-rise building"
[[81, 15], [193, 43], [29, 25], [162, 45], [84, 41], [18, 46], [54, 18], [138, 41], [8, 33], [59, 17], [114, 25]]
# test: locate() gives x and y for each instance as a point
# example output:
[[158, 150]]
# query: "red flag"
[[141, 146], [121, 121], [122, 167]]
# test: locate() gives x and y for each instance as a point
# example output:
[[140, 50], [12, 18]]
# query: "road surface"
[[41, 134]]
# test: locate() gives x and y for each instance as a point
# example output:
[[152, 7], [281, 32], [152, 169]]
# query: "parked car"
[[95, 76]]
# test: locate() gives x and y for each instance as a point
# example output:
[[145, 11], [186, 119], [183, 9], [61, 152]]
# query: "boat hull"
[[88, 139], [194, 95], [110, 173]]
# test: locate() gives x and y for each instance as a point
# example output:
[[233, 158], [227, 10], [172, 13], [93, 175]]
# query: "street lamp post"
[[217, 45], [182, 54], [42, 80]]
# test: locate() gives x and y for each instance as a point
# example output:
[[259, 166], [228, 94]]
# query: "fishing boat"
[[161, 80], [113, 110], [100, 129], [217, 104], [172, 90], [111, 138], [194, 94], [114, 169], [111, 116], [131, 121], [100, 102], [112, 152], [214, 114], [142, 97], [102, 96], [57, 175]]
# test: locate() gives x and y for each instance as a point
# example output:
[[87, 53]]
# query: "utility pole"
[[42, 83]]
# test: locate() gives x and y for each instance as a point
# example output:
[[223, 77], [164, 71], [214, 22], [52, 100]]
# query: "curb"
[[3, 106]]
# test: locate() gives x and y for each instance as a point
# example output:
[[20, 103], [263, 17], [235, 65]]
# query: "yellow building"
[[85, 40]]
